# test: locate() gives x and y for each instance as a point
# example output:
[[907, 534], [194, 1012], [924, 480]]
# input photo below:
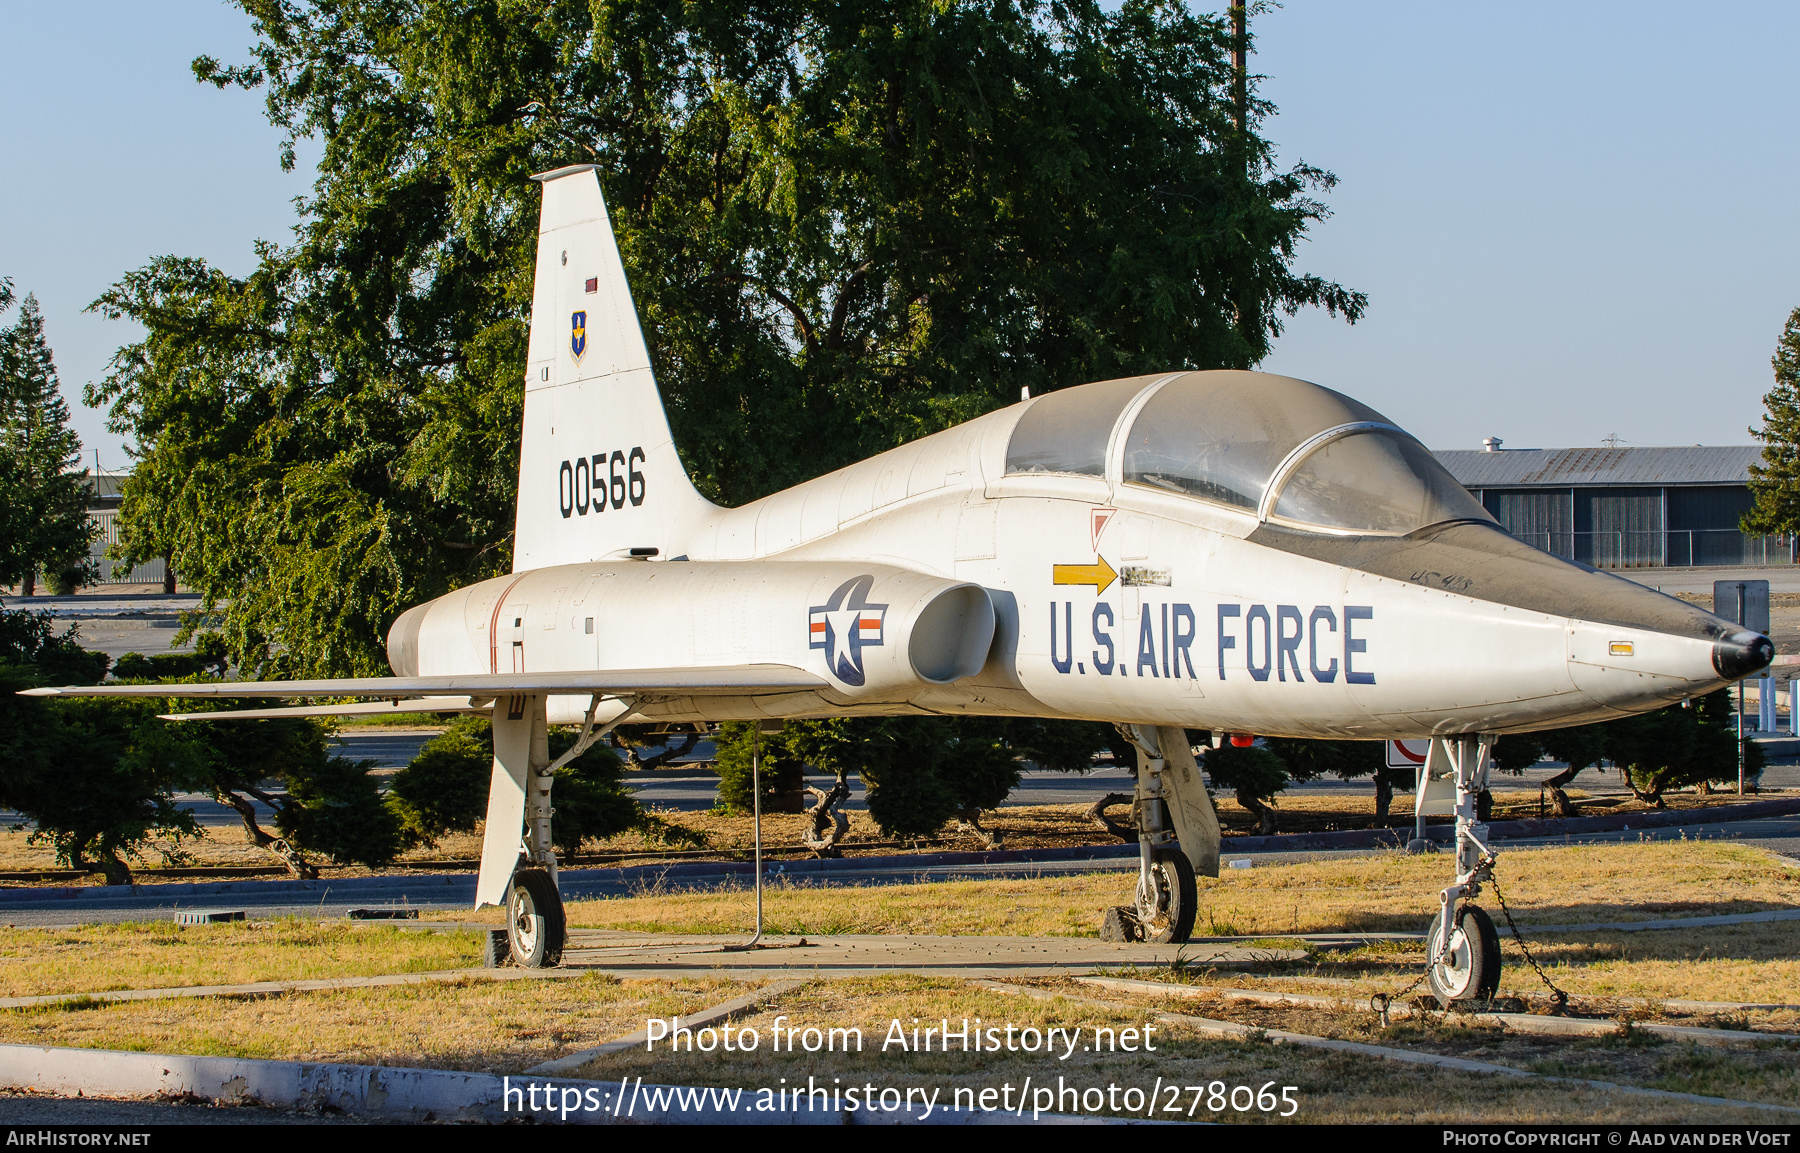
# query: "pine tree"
[[1776, 482], [44, 524]]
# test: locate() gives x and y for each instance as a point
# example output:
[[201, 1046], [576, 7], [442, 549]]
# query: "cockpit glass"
[[1374, 481], [1067, 430], [1221, 435]]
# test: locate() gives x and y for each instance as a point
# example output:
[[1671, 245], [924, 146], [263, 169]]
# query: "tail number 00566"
[[589, 483]]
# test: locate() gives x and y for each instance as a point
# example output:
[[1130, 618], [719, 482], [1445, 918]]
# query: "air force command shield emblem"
[[578, 334], [846, 625]]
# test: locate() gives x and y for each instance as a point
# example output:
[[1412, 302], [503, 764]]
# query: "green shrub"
[[444, 788], [783, 771], [591, 800], [338, 811]]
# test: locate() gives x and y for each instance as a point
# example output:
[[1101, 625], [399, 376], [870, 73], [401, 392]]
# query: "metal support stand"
[[755, 942], [1740, 724]]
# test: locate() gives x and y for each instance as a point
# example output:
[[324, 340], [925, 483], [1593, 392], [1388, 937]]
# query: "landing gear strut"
[[1167, 897], [521, 875], [1462, 948], [535, 924]]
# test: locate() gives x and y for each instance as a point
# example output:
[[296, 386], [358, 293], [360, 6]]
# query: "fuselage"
[[1111, 598]]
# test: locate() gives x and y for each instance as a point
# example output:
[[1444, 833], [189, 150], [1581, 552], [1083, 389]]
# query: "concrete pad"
[[850, 954], [652, 955], [1665, 923]]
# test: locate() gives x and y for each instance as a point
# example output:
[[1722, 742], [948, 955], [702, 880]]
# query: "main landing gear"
[[520, 875], [535, 926], [1177, 831], [1462, 948]]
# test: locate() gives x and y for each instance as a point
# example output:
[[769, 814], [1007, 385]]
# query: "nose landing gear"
[[1462, 948], [1467, 966]]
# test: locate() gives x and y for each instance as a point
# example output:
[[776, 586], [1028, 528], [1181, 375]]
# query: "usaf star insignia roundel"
[[578, 334], [846, 625]]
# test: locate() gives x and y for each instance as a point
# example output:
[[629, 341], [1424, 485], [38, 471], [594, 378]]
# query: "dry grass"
[[508, 1027], [1754, 963], [160, 955], [1394, 892], [1045, 907], [1382, 892]]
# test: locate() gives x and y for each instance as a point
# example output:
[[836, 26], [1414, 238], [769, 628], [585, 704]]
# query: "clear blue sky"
[[1571, 220]]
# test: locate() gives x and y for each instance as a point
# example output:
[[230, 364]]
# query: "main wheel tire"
[[1171, 920], [1468, 968], [534, 920]]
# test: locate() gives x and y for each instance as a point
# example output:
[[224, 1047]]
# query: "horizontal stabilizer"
[[716, 680], [355, 709]]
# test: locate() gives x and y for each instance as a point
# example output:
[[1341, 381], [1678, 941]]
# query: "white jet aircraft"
[[1231, 551]]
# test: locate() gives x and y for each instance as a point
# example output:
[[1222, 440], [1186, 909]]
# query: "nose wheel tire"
[[1167, 899], [534, 920], [1468, 965]]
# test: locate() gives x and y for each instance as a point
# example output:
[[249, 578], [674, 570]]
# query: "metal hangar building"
[[1623, 507]]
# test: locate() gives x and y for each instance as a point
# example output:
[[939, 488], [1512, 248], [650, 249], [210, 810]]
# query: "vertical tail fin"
[[598, 471]]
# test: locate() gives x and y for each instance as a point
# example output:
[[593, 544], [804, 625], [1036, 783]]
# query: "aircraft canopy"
[[1285, 449]]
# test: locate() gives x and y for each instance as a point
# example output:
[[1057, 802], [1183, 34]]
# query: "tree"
[[91, 780], [328, 805], [1775, 483], [1687, 745], [782, 771], [1309, 760], [1679, 747], [846, 226], [592, 802], [1254, 773], [44, 525], [444, 788]]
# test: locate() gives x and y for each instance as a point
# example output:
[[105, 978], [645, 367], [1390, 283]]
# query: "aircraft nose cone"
[[1741, 654]]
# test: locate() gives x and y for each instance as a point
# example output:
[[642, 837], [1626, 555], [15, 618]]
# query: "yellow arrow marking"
[[1099, 574]]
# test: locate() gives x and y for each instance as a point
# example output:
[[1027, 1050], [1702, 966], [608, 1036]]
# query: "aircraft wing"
[[394, 707], [713, 680]]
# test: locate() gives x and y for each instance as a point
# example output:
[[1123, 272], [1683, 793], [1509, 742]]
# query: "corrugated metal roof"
[[1562, 467]]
